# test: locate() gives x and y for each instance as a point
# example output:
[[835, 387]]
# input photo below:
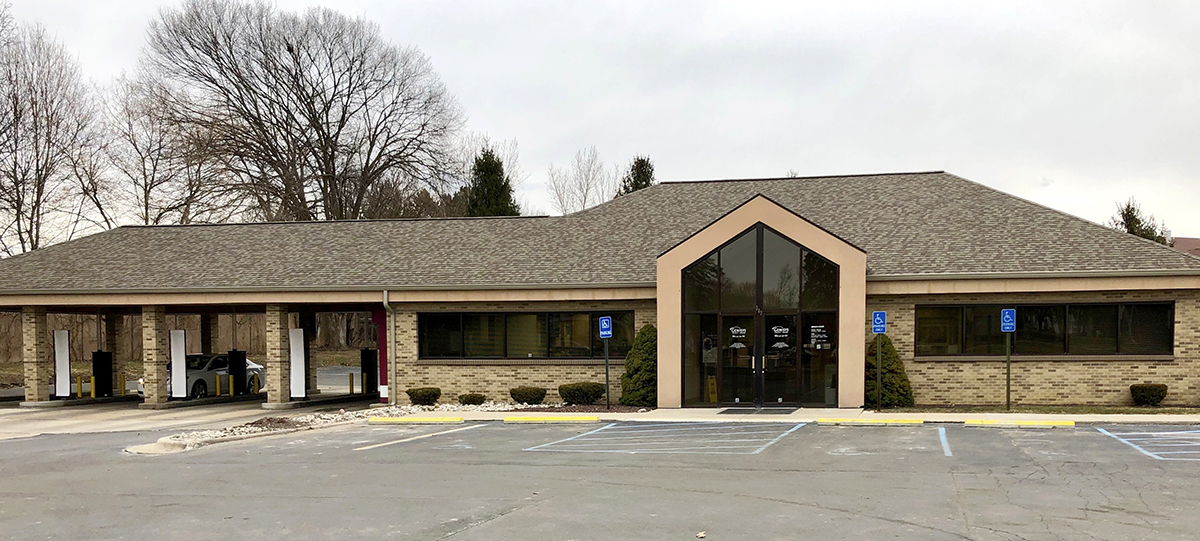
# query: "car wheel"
[[199, 390]]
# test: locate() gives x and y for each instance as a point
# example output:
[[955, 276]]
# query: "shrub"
[[471, 399], [1148, 394], [424, 396], [639, 383], [527, 395], [897, 391], [583, 393]]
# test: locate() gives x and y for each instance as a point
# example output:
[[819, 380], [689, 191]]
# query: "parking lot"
[[614, 481]]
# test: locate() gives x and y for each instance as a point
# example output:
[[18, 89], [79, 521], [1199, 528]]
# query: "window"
[[1073, 329], [939, 331], [739, 273], [521, 335], [440, 335]]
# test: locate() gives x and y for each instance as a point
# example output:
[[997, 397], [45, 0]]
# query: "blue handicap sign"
[[606, 327], [1008, 320], [878, 322]]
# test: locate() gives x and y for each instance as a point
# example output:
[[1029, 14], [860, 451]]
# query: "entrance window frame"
[[758, 311]]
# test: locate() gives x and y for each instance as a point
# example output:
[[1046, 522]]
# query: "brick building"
[[760, 290]]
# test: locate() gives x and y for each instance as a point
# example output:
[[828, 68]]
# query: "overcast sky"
[[1075, 106]]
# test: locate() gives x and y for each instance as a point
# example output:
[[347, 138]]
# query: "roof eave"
[[327, 289], [1033, 275]]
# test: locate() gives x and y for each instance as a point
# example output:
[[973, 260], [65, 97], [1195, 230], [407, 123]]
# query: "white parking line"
[[709, 438], [414, 438], [1158, 444]]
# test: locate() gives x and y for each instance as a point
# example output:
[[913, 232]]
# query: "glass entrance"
[[760, 317]]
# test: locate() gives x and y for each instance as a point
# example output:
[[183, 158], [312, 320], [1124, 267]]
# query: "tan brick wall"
[[156, 354], [278, 364], [492, 379], [36, 354], [1090, 380]]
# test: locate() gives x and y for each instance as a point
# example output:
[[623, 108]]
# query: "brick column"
[[405, 335], [156, 354], [114, 327], [279, 370], [37, 354], [210, 332]]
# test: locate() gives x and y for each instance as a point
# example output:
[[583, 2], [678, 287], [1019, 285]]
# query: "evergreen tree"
[[490, 192], [639, 383], [1130, 219], [640, 174], [897, 391]]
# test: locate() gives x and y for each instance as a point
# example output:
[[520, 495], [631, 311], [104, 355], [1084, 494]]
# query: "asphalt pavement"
[[609, 481]]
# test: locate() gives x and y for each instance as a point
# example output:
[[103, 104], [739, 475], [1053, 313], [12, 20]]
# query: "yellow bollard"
[[351, 382], [78, 386], [218, 385], [122, 378], [93, 386], [231, 385], [255, 384]]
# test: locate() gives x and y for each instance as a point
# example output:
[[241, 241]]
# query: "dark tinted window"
[[570, 335], [483, 335], [1092, 329], [981, 331], [1147, 329], [739, 273], [440, 335], [526, 336], [622, 338], [820, 284], [781, 272], [1041, 330], [700, 285], [939, 330]]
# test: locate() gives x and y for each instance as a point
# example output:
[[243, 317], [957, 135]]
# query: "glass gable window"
[[568, 335], [1070, 329], [760, 324]]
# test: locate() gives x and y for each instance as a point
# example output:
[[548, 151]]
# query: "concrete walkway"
[[812, 415]]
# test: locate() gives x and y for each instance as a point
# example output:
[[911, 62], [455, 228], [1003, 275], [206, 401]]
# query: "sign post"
[[1008, 325], [605, 334], [879, 327]]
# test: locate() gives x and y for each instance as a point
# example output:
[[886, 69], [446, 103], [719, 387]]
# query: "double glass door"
[[771, 359]]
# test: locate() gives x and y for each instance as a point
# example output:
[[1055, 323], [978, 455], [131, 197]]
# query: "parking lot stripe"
[[777, 438], [945, 444], [570, 438], [1131, 444], [414, 438]]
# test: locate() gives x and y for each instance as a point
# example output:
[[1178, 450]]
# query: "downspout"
[[391, 348]]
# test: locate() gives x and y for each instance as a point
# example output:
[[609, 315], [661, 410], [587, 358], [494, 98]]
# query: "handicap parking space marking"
[[674, 438], [945, 442], [1162, 445]]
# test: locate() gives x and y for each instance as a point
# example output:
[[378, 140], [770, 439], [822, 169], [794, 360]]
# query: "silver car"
[[203, 371]]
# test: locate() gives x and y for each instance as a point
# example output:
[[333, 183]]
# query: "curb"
[[555, 419], [998, 423], [414, 421], [166, 445], [870, 422]]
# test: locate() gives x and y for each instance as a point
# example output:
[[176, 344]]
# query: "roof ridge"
[[310, 222], [858, 175]]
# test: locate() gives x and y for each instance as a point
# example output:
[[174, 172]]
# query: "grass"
[[1069, 410]]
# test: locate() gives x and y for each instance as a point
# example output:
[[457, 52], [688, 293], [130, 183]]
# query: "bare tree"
[[586, 183], [47, 122], [307, 111]]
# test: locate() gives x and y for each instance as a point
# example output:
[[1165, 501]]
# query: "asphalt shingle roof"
[[909, 224]]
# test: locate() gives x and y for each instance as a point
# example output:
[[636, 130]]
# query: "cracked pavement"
[[815, 483]]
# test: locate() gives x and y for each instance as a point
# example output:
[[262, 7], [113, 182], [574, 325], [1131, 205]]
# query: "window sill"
[[1045, 358], [516, 362]]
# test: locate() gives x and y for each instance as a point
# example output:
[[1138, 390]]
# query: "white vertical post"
[[178, 364], [62, 364], [296, 350]]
